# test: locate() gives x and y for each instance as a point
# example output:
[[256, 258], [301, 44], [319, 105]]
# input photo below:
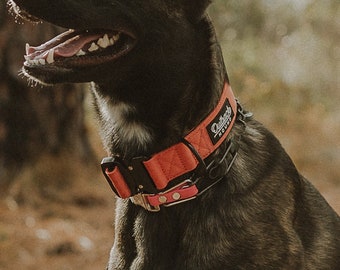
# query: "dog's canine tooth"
[[93, 47], [104, 42], [27, 48], [50, 56], [80, 53]]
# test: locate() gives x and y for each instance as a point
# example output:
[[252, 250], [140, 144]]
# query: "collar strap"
[[166, 177]]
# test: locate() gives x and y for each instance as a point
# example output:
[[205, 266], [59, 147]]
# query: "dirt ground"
[[72, 229], [56, 225]]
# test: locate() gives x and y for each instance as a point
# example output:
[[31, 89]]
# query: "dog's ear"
[[195, 9]]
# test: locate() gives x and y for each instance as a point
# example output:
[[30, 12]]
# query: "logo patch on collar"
[[220, 124]]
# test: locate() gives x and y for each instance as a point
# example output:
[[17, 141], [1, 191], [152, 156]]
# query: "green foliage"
[[292, 43]]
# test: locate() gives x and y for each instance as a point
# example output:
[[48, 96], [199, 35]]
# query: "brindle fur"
[[263, 215]]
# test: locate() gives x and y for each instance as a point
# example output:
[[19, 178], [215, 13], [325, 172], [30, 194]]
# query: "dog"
[[200, 183]]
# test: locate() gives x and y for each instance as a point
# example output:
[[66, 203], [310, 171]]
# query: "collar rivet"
[[176, 196], [162, 199]]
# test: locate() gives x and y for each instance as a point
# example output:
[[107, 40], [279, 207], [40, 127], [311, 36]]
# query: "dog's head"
[[115, 37]]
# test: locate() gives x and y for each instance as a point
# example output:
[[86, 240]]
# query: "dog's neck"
[[146, 115]]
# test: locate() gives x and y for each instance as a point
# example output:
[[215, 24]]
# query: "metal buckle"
[[141, 200], [230, 153], [242, 114], [201, 168], [110, 163], [135, 175]]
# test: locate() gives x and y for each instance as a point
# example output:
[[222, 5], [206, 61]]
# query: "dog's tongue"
[[73, 45], [64, 45]]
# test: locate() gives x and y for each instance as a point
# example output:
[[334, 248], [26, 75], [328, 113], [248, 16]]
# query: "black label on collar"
[[221, 122]]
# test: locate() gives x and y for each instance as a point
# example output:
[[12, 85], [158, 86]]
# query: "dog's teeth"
[[80, 53], [27, 48], [104, 42], [50, 57], [115, 38], [42, 61], [93, 47], [101, 43]]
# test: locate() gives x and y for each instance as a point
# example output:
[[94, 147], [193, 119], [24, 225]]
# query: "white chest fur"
[[117, 124]]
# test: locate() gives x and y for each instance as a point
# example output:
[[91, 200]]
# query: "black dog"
[[176, 133]]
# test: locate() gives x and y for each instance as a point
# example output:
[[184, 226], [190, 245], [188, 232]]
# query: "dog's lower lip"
[[76, 48]]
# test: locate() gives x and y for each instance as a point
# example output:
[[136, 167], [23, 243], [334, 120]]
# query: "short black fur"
[[263, 215]]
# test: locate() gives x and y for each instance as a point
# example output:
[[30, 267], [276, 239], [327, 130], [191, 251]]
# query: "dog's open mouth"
[[79, 48]]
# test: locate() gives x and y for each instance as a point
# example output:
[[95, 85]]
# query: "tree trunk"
[[35, 122]]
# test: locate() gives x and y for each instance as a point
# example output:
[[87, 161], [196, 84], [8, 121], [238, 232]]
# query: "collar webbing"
[[165, 176]]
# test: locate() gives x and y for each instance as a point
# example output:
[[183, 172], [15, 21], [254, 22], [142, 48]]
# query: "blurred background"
[[56, 209]]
